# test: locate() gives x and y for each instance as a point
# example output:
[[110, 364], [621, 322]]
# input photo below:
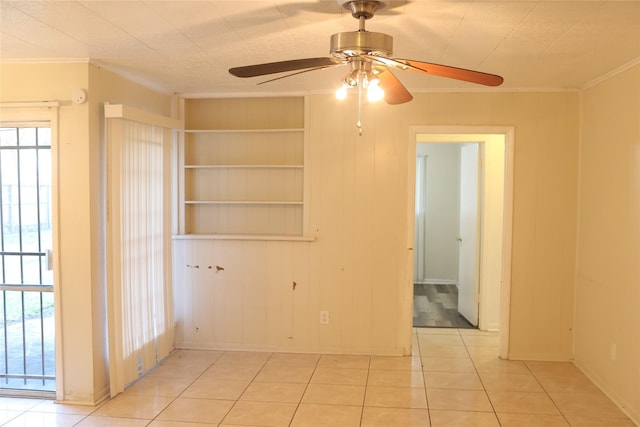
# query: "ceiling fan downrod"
[[362, 9]]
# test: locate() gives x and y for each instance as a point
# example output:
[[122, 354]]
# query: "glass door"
[[27, 331]]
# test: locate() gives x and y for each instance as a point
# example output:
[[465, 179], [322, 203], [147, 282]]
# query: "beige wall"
[[359, 211], [607, 338], [80, 256]]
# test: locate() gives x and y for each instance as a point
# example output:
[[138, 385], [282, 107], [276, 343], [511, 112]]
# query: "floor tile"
[[479, 332], [8, 415], [345, 376], [95, 421], [248, 358], [293, 360], [510, 382], [159, 386], [522, 402], [312, 415], [496, 365], [330, 394], [455, 380], [225, 372], [492, 341], [344, 361], [396, 363], [45, 419], [159, 423], [63, 408], [274, 392], [173, 368], [440, 364], [133, 406], [552, 368], [458, 400], [293, 374], [18, 404], [396, 397], [586, 421], [394, 417], [437, 339], [441, 418], [196, 410], [590, 404], [206, 357], [206, 388], [437, 331], [272, 414], [445, 351], [566, 382], [532, 420], [394, 378]]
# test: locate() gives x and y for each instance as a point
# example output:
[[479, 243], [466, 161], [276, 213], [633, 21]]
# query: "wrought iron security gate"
[[27, 344]]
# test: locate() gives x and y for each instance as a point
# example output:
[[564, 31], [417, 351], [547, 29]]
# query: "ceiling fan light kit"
[[369, 56]]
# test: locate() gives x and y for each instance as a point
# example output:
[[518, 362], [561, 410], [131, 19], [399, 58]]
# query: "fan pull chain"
[[359, 122]]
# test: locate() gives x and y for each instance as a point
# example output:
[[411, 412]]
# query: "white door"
[[469, 234]]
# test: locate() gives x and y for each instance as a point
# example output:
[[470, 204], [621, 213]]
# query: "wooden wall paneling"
[[229, 256], [303, 313], [388, 206], [198, 255], [254, 293], [364, 237], [278, 278], [350, 244]]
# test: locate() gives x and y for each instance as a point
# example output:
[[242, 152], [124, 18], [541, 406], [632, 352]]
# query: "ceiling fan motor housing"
[[354, 43]]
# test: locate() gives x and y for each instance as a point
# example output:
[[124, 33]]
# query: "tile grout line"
[[546, 392], [484, 388], [424, 380], [306, 387]]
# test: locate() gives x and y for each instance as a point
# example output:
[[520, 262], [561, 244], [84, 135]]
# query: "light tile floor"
[[454, 378]]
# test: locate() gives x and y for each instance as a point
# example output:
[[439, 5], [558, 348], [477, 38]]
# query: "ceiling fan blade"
[[452, 72], [300, 72], [282, 66], [394, 90]]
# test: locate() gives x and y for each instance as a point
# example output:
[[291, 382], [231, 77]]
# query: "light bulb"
[[341, 92], [374, 92]]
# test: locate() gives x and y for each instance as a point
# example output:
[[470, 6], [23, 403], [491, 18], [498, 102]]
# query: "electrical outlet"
[[324, 317]]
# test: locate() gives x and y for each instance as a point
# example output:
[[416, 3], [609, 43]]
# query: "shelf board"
[[243, 130], [244, 202], [243, 166]]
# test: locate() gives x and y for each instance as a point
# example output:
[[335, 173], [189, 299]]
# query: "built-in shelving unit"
[[242, 167]]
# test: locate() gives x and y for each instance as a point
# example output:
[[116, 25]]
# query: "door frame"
[[47, 111], [466, 134]]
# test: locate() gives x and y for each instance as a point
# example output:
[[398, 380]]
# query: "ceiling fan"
[[369, 56]]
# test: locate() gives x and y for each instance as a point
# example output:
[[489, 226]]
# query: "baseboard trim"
[[620, 403]]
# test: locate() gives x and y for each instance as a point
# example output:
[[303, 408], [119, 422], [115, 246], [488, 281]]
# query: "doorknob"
[[459, 239]]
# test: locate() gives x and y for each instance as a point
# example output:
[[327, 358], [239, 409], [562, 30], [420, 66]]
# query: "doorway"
[[446, 250], [495, 208], [27, 326]]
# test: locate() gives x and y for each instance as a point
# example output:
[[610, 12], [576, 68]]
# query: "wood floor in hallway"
[[436, 306]]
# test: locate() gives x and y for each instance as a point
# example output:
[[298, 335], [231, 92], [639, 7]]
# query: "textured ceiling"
[[188, 46]]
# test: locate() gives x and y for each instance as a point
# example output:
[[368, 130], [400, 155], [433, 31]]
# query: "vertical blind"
[[138, 248]]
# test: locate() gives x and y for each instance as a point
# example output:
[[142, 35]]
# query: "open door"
[[468, 238]]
